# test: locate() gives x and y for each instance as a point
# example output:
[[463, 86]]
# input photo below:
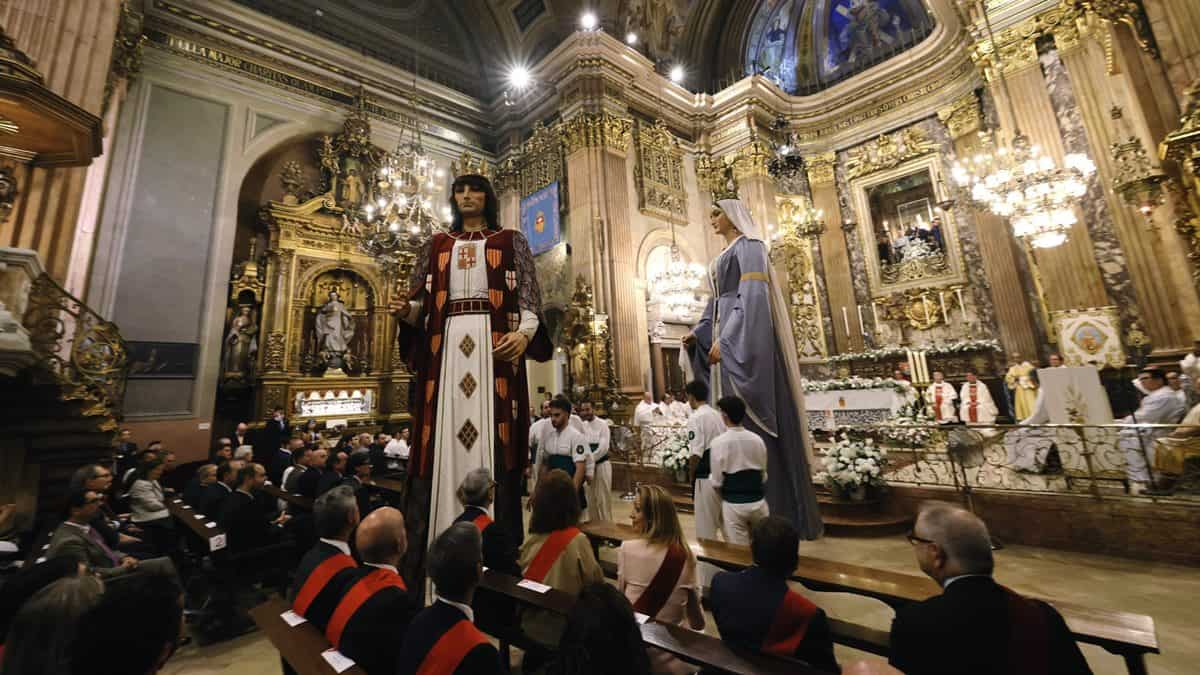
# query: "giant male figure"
[[474, 313]]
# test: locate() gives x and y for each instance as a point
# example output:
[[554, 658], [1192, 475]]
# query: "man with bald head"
[[975, 625], [369, 621]]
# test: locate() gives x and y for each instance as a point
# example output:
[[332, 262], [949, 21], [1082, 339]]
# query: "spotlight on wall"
[[519, 77], [588, 21], [631, 38], [677, 74]]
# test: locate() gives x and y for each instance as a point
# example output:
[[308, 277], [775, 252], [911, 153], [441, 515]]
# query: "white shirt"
[[339, 545], [396, 448], [678, 410], [737, 450], [537, 429], [384, 566], [569, 442], [644, 414], [465, 609], [703, 427], [596, 431]]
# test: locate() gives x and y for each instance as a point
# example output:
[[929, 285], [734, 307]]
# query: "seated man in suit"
[[975, 625], [307, 483], [281, 459], [328, 566], [219, 490], [476, 493], [193, 494], [75, 538], [245, 522], [369, 621], [358, 470], [756, 609], [443, 639], [335, 471]]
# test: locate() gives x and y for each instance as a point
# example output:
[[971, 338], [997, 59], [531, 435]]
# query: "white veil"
[[740, 216]]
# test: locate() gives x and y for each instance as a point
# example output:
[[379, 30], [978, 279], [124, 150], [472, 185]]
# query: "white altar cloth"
[[838, 407]]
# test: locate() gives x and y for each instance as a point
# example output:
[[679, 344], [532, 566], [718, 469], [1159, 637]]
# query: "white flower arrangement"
[[956, 347], [674, 453], [849, 464], [909, 426], [899, 386]]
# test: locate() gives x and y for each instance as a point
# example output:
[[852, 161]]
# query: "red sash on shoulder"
[[789, 626], [659, 590], [451, 649], [548, 554], [316, 581], [482, 521], [358, 594], [1029, 635]]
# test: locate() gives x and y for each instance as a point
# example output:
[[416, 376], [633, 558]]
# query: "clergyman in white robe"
[[975, 403], [939, 399]]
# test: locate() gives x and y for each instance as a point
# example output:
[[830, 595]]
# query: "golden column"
[[997, 246], [839, 285], [1071, 276], [1155, 254], [756, 188], [596, 145]]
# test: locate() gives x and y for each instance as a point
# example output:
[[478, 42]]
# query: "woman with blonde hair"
[[657, 571]]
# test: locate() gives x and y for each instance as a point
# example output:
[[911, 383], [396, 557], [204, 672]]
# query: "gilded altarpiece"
[[659, 171], [792, 255]]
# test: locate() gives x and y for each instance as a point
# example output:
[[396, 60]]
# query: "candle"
[[961, 306], [846, 320], [861, 326], [874, 316], [945, 312], [912, 365], [922, 367]]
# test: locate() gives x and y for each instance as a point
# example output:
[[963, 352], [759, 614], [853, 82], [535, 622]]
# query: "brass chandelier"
[[1020, 182]]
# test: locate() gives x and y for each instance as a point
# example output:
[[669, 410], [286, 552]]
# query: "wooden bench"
[[691, 646], [1130, 636], [198, 524], [298, 501], [301, 645], [393, 486]]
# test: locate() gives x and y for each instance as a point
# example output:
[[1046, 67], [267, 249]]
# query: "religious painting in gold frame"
[[907, 242]]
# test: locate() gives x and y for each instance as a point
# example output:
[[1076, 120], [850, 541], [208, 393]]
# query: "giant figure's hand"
[[689, 339], [714, 354], [510, 347]]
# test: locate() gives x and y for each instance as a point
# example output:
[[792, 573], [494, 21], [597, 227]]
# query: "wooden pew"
[[301, 646], [299, 501], [1130, 636], [198, 524], [691, 646], [395, 488]]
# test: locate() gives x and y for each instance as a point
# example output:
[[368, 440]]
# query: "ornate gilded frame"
[[859, 190]]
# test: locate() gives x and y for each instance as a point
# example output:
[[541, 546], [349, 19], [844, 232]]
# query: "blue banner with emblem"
[[539, 219]]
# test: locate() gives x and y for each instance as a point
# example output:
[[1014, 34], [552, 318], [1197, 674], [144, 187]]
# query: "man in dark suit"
[[324, 570], [335, 471], [308, 482], [271, 437], [369, 622], [442, 638], [975, 625], [281, 460], [193, 494], [241, 436], [76, 539], [219, 490], [245, 522], [755, 608], [476, 493], [126, 452], [358, 470]]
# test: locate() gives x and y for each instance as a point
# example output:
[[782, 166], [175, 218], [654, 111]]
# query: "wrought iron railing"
[[81, 350]]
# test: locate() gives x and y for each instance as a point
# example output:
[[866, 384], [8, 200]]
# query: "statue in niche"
[[329, 163], [352, 193], [335, 329], [241, 344]]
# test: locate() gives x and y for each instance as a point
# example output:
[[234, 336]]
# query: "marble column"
[[71, 44], [998, 249], [835, 257], [1069, 272], [1176, 28], [1154, 254]]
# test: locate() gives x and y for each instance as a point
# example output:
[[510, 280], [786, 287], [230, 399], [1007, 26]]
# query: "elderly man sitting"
[[1160, 406]]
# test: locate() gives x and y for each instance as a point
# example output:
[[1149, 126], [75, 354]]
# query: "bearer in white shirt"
[[703, 427], [562, 446], [738, 460], [536, 430], [599, 489]]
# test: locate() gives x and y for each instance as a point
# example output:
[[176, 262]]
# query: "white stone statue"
[[335, 329]]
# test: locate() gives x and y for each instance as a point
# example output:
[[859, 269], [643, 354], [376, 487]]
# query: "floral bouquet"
[[899, 386], [909, 426], [673, 454], [852, 466]]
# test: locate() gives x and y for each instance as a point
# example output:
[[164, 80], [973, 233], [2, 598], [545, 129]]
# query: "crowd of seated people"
[[106, 580]]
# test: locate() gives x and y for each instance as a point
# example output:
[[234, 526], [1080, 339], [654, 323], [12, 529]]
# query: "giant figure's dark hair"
[[491, 210]]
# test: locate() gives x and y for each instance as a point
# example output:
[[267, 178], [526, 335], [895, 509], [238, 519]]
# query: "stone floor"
[[1166, 592]]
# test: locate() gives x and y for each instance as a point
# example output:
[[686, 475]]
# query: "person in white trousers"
[[739, 472], [703, 426], [599, 489]]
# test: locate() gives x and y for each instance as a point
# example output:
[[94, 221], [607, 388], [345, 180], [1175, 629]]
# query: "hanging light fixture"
[[1139, 183], [400, 215], [676, 286], [1020, 182]]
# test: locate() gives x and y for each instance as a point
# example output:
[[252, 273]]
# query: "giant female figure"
[[743, 346]]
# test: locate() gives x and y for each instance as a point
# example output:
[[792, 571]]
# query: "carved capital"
[[751, 160], [821, 168], [596, 130], [962, 117]]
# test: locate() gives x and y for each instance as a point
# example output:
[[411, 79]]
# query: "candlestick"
[[945, 312], [912, 365], [846, 320], [861, 326], [874, 316], [961, 305]]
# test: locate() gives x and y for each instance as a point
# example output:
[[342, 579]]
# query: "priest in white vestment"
[[1190, 365], [975, 402], [646, 414], [939, 399], [675, 410]]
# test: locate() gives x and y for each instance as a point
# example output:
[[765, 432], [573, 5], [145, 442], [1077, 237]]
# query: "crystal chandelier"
[[1020, 182], [787, 162], [675, 286], [399, 216]]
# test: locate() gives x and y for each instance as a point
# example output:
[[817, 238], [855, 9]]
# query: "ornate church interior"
[[964, 237]]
